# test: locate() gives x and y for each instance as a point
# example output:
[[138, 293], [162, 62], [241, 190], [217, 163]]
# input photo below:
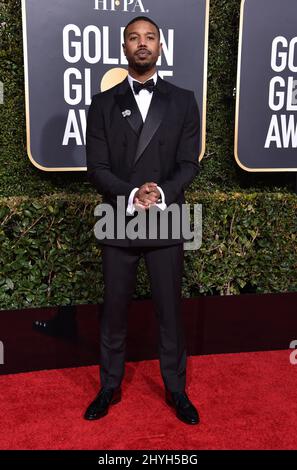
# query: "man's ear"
[[124, 48], [160, 48]]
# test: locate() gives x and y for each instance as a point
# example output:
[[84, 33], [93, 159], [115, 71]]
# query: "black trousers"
[[165, 269]]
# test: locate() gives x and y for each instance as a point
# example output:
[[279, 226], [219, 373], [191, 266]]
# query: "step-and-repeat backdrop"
[[73, 49], [266, 126]]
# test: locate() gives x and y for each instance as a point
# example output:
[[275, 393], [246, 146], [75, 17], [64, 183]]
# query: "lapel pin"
[[126, 113]]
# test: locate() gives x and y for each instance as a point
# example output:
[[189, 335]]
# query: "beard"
[[141, 66]]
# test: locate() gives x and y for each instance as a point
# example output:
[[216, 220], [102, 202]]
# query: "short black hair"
[[141, 18]]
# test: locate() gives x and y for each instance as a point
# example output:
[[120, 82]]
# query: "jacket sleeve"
[[97, 152], [187, 159]]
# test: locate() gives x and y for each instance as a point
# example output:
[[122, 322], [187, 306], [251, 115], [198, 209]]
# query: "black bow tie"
[[149, 85]]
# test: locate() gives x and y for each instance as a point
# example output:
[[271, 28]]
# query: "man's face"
[[142, 46]]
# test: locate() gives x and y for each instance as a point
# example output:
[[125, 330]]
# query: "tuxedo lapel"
[[127, 103], [154, 117]]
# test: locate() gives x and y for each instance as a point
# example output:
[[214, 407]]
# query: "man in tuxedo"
[[143, 146]]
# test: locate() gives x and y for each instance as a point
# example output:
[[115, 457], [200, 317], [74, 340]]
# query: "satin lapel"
[[126, 101], [153, 120]]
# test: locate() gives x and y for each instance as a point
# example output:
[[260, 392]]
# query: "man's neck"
[[141, 77]]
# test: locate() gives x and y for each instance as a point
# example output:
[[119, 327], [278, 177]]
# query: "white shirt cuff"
[[161, 204], [130, 207]]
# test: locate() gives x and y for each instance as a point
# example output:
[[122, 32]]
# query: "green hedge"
[[50, 256]]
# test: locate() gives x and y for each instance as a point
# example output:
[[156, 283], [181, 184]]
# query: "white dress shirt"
[[143, 100]]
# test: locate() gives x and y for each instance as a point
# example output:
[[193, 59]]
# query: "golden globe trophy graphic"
[[113, 77]]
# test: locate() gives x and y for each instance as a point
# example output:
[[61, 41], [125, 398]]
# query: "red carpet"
[[245, 401]]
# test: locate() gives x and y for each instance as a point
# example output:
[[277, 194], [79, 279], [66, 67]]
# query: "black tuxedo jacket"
[[123, 153]]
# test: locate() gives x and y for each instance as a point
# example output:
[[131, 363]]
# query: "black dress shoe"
[[99, 407], [185, 410]]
